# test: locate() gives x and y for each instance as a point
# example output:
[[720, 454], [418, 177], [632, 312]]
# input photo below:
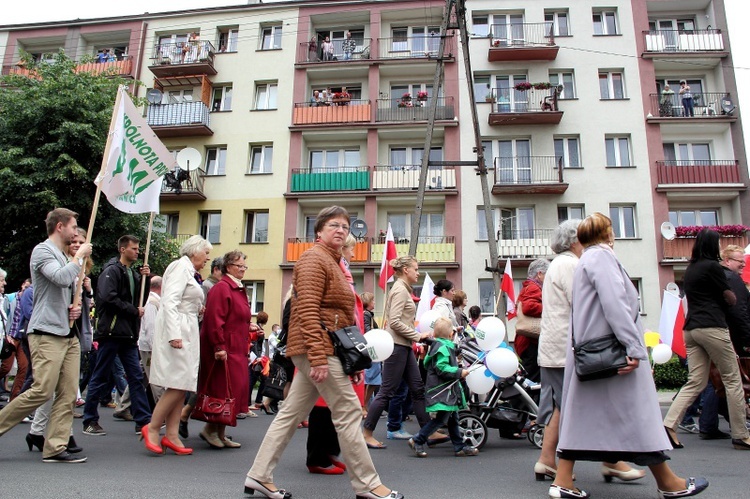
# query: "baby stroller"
[[509, 405]]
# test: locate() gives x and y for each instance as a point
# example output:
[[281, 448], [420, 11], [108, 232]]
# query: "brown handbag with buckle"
[[527, 326]]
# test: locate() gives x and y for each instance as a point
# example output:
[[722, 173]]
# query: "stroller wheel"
[[536, 435], [472, 429]]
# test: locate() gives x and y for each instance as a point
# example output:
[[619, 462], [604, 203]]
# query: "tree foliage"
[[53, 127]]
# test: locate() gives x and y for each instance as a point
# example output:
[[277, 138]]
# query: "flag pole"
[[145, 256], [95, 207]]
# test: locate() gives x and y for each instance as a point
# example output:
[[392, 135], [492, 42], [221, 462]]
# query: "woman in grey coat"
[[617, 418]]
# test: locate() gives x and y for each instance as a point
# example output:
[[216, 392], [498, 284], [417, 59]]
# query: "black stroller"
[[510, 404]]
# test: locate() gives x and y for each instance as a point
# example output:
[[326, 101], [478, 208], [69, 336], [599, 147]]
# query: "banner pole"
[[145, 256]]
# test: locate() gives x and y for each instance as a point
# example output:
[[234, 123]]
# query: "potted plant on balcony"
[[490, 97], [341, 98], [405, 100], [542, 85], [496, 43], [723, 230], [422, 95], [523, 86]]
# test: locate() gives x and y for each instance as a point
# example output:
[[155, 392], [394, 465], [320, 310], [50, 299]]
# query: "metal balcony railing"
[[522, 35], [398, 177], [421, 46], [183, 53], [702, 105], [313, 52], [349, 111], [295, 246], [510, 100], [181, 113], [524, 243], [429, 248], [680, 248], [183, 182], [343, 178], [413, 109], [696, 40], [698, 172], [528, 170]]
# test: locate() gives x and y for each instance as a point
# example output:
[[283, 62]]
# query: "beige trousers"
[[346, 413], [705, 345], [157, 391], [56, 362]]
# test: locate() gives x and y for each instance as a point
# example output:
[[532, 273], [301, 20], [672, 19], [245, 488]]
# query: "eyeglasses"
[[242, 267], [741, 262], [337, 226]]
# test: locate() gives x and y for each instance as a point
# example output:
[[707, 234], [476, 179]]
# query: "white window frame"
[[484, 32], [251, 234], [617, 142], [341, 155], [275, 33], [253, 289], [685, 151], [413, 155], [566, 155], [482, 224], [266, 159], [486, 303], [514, 215], [212, 236], [553, 16], [177, 96], [617, 212], [675, 216], [429, 35], [603, 15], [567, 92], [638, 284], [566, 212], [225, 98], [266, 96], [425, 228], [218, 165], [611, 82], [232, 35]]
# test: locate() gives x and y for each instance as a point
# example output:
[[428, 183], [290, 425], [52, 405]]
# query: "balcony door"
[[508, 29], [516, 223], [327, 161], [418, 41], [510, 100], [687, 154], [514, 161], [178, 96], [431, 227]]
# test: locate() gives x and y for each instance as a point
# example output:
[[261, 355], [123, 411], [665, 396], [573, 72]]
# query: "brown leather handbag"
[[526, 325]]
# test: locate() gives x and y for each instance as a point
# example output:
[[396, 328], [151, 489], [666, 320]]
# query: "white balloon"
[[478, 381], [427, 321], [490, 332], [379, 344], [501, 362], [661, 353]]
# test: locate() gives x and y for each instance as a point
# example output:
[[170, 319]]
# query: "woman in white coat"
[[176, 349]]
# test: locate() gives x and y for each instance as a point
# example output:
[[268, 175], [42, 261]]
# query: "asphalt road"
[[119, 467]]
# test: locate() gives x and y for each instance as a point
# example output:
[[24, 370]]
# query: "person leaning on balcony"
[[103, 56], [327, 49], [349, 46], [687, 98], [666, 101], [707, 339], [312, 50], [315, 99]]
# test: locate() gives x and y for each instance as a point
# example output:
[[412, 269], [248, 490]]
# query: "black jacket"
[[370, 321], [116, 308], [738, 316]]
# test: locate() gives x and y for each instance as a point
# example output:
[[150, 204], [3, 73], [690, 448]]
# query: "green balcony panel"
[[335, 181]]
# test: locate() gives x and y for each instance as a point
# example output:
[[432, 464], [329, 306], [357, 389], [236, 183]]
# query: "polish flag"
[[746, 270], [672, 321], [389, 253], [506, 286], [426, 297]]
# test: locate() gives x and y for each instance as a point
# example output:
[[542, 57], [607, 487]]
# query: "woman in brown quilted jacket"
[[322, 299]]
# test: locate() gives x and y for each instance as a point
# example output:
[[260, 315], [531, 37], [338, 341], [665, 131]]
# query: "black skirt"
[[639, 458]]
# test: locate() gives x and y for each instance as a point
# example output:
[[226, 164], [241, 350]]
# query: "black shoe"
[[35, 441], [64, 457], [693, 487], [676, 445], [715, 435], [183, 431], [72, 446], [740, 444]]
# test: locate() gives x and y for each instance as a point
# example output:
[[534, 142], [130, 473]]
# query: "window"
[[618, 151], [637, 284], [572, 212], [167, 223], [507, 29], [702, 217], [222, 100], [623, 221], [177, 96], [431, 227], [412, 88], [510, 100], [480, 25], [611, 85], [255, 295], [265, 95], [417, 41], [334, 160], [216, 161], [516, 223], [482, 223], [513, 162], [270, 37], [211, 226], [261, 159], [564, 78], [482, 88], [688, 153], [605, 22], [487, 296], [228, 39], [256, 227], [567, 149], [559, 22], [412, 156]]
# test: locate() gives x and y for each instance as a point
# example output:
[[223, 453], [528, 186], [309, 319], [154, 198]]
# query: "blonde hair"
[[442, 328], [367, 298], [401, 263], [594, 229], [732, 248], [350, 242]]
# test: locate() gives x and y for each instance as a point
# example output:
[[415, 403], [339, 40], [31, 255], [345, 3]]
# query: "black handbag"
[[273, 386], [350, 347], [599, 358]]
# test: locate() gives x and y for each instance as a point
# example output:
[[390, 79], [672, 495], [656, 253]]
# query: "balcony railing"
[[523, 41], [671, 41], [183, 184], [351, 111], [429, 248], [698, 172], [297, 245], [524, 107], [407, 177], [680, 249], [411, 47], [308, 53], [529, 174], [354, 178], [703, 105], [180, 238], [114, 68], [172, 59], [182, 118], [413, 109], [524, 243]]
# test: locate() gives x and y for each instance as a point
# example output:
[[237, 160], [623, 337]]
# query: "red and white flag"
[[426, 297], [506, 286], [671, 323], [389, 253]]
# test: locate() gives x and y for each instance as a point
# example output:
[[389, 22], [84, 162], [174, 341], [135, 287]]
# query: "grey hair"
[[3, 274], [538, 265], [565, 235], [193, 245]]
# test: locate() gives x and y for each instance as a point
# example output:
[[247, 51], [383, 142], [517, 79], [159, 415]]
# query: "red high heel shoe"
[[180, 451], [149, 446]]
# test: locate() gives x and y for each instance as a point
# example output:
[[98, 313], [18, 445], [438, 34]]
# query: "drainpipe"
[[141, 48]]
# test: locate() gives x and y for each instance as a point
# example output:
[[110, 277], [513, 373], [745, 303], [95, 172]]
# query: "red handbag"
[[215, 410]]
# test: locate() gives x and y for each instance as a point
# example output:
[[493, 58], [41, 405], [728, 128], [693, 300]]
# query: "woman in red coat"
[[530, 299], [224, 345]]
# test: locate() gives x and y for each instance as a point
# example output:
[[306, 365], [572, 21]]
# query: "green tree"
[[53, 128]]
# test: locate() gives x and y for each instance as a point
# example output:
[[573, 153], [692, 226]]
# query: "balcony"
[[668, 108], [409, 48], [522, 42], [524, 107], [675, 43], [298, 245], [699, 175], [183, 185], [351, 111], [115, 68], [407, 178], [524, 244], [400, 110], [314, 55], [529, 175], [679, 249], [181, 119], [429, 249], [183, 58], [355, 178]]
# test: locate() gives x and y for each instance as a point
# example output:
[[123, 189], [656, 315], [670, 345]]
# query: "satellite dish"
[[154, 96], [668, 231], [189, 159], [673, 288], [359, 229]]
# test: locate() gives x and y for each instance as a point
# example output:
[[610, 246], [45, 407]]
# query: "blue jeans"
[[441, 419], [99, 384], [709, 419], [397, 407]]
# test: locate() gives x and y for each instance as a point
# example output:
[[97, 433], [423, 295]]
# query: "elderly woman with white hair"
[[176, 347], [530, 302]]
